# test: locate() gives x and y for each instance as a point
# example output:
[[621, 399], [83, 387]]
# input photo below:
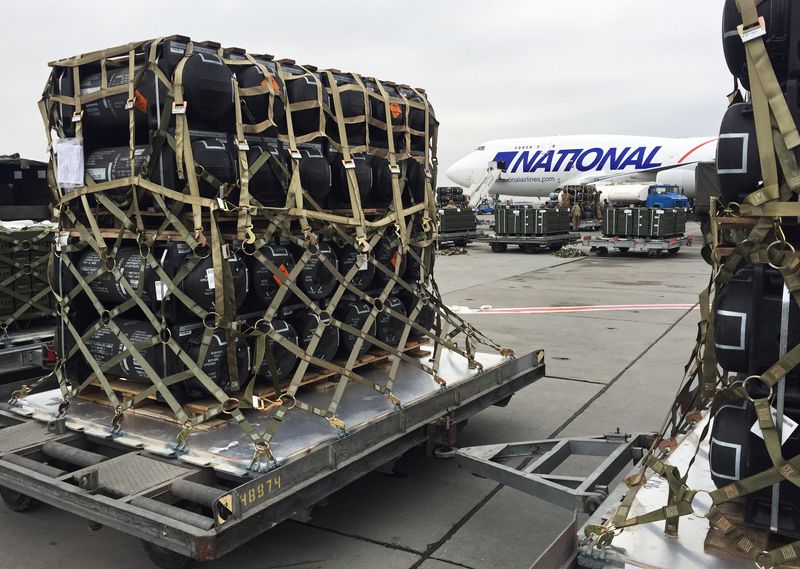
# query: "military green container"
[[547, 221], [663, 223], [500, 220], [457, 219], [509, 220], [680, 222], [642, 221], [624, 223], [609, 222]]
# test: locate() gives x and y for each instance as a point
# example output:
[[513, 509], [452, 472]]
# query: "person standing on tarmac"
[[577, 212], [598, 206]]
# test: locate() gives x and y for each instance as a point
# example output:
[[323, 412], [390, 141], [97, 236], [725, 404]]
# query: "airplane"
[[536, 167]]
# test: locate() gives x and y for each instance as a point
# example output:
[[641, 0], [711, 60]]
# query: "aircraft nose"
[[460, 173]]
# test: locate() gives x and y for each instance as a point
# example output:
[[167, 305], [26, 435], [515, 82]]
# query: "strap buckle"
[[753, 31], [180, 439], [294, 153], [394, 169], [349, 164], [77, 116], [129, 104], [19, 394], [335, 422], [179, 108]]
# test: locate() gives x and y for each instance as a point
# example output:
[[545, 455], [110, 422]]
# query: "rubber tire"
[[555, 248], [165, 558], [499, 247], [530, 248], [673, 251], [624, 250], [460, 242], [602, 251], [17, 502]]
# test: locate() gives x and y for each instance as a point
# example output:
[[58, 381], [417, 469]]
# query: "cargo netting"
[[741, 379], [231, 225]]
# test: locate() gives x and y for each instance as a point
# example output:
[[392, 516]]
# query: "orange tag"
[[394, 260], [285, 272], [274, 83], [139, 101], [396, 111]]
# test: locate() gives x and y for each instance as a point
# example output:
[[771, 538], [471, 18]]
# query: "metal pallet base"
[[203, 503]]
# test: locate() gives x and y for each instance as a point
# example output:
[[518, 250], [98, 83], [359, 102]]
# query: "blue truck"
[[666, 196]]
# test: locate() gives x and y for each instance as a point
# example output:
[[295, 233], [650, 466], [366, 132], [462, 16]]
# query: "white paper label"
[[97, 174], [362, 262], [161, 290], [17, 175], [70, 163], [787, 428], [210, 277]]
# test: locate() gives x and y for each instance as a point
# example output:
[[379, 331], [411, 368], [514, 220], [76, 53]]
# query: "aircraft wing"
[[648, 175]]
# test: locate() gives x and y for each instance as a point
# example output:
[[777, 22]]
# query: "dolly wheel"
[[165, 558], [19, 503], [624, 250], [673, 251], [602, 251], [530, 248], [499, 247]]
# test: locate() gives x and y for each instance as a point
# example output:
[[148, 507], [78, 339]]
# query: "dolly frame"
[[303, 481], [529, 243], [535, 475], [603, 245]]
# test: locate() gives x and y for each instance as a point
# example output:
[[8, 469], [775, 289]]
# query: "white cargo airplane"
[[535, 167]]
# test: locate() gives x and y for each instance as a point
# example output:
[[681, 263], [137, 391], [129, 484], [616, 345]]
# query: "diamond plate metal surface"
[[134, 473], [23, 435]]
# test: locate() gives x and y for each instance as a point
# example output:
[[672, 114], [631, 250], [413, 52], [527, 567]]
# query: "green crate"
[[457, 219], [609, 222], [642, 221], [549, 221], [663, 223]]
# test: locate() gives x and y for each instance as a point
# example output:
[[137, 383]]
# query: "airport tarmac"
[[606, 369]]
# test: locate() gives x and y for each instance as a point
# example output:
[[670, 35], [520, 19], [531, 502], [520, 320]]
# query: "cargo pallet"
[[205, 496], [25, 349], [458, 238], [603, 245], [529, 243]]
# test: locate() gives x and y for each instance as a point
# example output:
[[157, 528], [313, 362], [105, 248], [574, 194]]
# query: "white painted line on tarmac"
[[568, 309]]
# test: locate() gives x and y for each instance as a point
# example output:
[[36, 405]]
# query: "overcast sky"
[[491, 69]]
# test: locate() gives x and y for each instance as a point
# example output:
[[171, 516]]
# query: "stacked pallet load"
[[740, 399], [529, 220], [25, 243], [234, 227]]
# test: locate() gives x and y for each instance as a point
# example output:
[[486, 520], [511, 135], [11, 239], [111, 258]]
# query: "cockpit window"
[[481, 148]]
